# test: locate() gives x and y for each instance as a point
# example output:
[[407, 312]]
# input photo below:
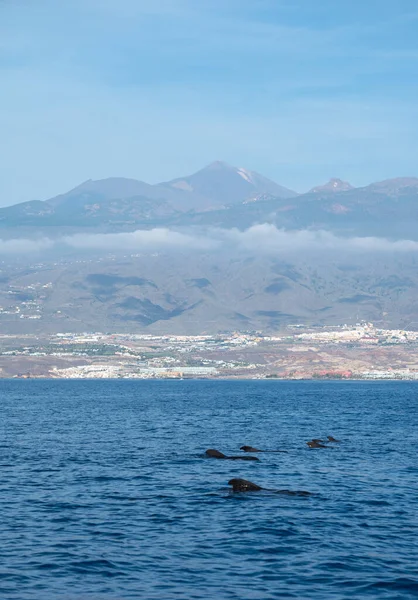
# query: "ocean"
[[105, 493]]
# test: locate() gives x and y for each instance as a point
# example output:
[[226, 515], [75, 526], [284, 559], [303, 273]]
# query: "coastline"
[[340, 353], [220, 378]]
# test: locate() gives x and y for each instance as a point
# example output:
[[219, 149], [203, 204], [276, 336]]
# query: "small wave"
[[400, 584], [86, 513], [101, 478], [101, 566]]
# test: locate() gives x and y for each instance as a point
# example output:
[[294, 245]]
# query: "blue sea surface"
[[105, 492]]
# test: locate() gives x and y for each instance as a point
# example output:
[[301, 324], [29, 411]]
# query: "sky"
[[298, 90]]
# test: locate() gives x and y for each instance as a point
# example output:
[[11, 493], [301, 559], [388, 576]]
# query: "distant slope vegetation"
[[181, 293]]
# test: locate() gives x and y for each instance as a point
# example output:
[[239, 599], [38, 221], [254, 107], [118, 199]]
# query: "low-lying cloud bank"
[[263, 238], [268, 238], [25, 246]]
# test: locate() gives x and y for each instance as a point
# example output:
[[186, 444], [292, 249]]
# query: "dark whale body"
[[216, 454], [251, 449], [242, 485], [315, 444], [332, 439]]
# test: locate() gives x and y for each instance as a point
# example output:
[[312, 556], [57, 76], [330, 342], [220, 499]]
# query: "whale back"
[[214, 453], [242, 485], [315, 444]]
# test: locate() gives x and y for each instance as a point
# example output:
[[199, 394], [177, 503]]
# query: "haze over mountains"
[[222, 249], [220, 195], [216, 186]]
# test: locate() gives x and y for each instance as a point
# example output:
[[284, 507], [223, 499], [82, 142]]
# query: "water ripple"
[[105, 494]]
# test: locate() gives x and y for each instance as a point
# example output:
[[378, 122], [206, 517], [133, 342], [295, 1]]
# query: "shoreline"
[[270, 379]]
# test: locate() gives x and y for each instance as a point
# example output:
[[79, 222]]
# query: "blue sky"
[[299, 90]]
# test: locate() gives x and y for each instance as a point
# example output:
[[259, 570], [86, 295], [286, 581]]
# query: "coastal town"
[[362, 351]]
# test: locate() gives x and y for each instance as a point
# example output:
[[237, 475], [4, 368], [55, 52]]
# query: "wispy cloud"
[[22, 246], [267, 238], [152, 239], [259, 239]]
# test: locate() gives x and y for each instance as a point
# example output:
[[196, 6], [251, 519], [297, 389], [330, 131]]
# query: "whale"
[[251, 449], [315, 444], [332, 439], [242, 485], [212, 453]]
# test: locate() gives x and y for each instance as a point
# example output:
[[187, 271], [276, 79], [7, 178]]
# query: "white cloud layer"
[[264, 238], [24, 246], [267, 238], [142, 239]]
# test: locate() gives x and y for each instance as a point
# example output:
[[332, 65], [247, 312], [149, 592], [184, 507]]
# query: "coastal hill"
[[183, 292]]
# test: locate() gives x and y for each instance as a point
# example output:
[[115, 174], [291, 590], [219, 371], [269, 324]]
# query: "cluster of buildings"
[[365, 333], [24, 302], [120, 371], [359, 352], [406, 374]]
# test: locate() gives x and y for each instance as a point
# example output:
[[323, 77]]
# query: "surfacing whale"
[[251, 449], [315, 444], [216, 454], [332, 439], [242, 485]]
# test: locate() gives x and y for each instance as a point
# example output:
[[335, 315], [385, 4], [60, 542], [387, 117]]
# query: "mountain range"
[[194, 288], [117, 200], [224, 196]]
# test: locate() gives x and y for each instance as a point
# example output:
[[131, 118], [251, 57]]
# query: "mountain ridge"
[[225, 184], [220, 195], [334, 185]]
